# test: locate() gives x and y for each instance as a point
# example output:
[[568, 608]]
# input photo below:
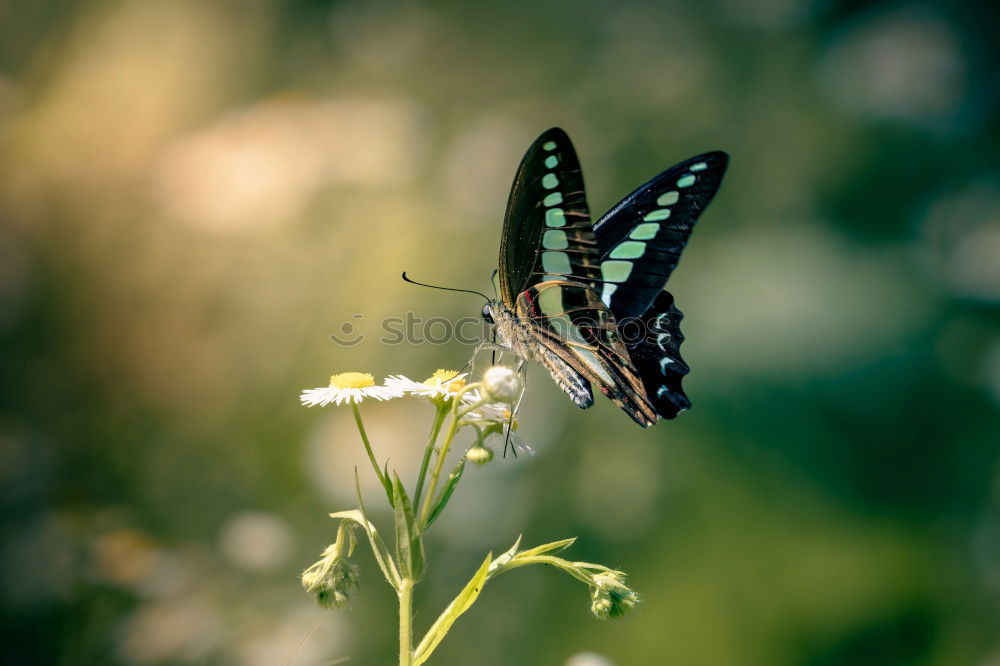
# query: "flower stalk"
[[486, 408]]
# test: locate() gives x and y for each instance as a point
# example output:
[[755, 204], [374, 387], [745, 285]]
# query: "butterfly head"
[[488, 313]]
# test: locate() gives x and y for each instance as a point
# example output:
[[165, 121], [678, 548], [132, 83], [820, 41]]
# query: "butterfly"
[[587, 301]]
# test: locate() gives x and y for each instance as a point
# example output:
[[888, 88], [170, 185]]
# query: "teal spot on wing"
[[657, 215], [664, 362], [555, 239], [645, 231], [628, 250], [668, 198], [687, 180], [555, 217], [550, 300], [591, 360], [549, 145], [549, 181], [616, 271], [551, 161], [553, 199], [700, 166], [609, 289], [556, 263]]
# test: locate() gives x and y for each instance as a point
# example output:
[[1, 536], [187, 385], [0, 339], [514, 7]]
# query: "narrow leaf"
[[506, 557], [409, 544], [553, 547], [381, 553], [453, 479], [387, 485], [458, 605]]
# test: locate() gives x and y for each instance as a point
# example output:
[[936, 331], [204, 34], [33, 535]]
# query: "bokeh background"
[[195, 195]]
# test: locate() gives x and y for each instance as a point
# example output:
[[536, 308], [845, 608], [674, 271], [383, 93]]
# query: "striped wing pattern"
[[570, 320], [547, 230], [577, 286]]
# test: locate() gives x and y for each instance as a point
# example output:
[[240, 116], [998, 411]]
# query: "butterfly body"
[[520, 339], [571, 293]]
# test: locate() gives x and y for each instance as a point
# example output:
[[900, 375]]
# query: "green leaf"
[[458, 605], [553, 547], [381, 553], [504, 558], [409, 543], [453, 479], [387, 485]]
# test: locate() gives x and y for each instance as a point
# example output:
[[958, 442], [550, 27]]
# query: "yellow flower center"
[[441, 376], [349, 380]]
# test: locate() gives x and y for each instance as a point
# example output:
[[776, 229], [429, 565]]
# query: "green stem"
[[456, 418], [442, 411], [406, 622], [368, 446], [572, 568]]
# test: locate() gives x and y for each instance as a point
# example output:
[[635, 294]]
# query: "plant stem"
[[456, 417], [368, 446], [442, 411], [406, 622]]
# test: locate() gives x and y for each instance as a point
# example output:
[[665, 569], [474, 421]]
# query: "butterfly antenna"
[[434, 286], [493, 277]]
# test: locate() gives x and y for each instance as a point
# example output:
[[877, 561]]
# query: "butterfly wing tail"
[[657, 356]]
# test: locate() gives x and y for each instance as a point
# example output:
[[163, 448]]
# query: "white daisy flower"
[[348, 387], [442, 385]]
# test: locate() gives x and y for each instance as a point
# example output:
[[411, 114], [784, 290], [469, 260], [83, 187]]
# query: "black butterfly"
[[587, 301]]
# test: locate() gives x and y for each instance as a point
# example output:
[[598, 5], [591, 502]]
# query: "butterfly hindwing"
[[568, 319], [641, 239], [654, 342]]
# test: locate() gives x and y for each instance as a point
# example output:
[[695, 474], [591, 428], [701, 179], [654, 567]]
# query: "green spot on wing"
[[551, 161], [553, 199], [550, 300], [555, 217], [628, 250], [657, 215], [645, 231], [555, 239], [700, 166], [556, 263], [549, 181], [616, 271], [549, 145], [609, 289], [668, 198], [686, 181]]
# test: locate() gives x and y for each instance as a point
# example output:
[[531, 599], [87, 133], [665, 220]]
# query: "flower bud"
[[333, 578], [479, 454], [610, 596], [502, 384]]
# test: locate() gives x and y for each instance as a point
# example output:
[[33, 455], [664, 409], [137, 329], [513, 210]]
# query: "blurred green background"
[[194, 195]]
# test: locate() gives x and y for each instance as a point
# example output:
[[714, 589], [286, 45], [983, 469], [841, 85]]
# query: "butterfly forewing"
[[547, 232], [640, 240]]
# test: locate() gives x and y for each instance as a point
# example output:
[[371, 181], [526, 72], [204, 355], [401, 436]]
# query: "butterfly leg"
[[515, 406]]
